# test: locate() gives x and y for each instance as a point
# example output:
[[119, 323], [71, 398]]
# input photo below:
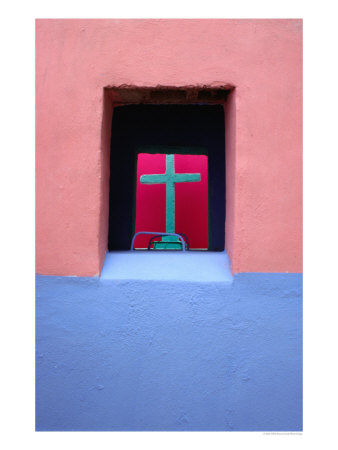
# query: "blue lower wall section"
[[139, 355]]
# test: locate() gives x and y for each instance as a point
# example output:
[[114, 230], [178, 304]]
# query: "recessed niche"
[[184, 131]]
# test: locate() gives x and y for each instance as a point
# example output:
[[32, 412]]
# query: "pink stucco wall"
[[76, 59]]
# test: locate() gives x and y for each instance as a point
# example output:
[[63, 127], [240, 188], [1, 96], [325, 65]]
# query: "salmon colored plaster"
[[77, 59]]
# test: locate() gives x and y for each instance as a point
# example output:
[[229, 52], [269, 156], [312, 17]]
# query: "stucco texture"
[[260, 59], [134, 355]]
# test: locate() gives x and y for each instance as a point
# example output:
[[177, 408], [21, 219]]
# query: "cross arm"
[[154, 179], [186, 177]]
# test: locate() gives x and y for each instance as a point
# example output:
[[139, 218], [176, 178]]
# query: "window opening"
[[178, 130]]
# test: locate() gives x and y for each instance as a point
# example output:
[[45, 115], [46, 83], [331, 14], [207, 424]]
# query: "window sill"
[[198, 266]]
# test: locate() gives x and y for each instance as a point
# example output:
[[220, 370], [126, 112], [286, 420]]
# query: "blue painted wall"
[[140, 355]]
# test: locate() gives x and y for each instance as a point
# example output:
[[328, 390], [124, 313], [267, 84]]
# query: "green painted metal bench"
[[176, 235]]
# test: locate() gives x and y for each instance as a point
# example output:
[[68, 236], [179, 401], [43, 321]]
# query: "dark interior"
[[196, 126]]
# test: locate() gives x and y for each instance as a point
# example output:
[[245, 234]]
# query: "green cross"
[[169, 178]]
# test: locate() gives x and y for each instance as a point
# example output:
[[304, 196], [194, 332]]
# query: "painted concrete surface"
[[260, 59], [137, 355], [200, 266]]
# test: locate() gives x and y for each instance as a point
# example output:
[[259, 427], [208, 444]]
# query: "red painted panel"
[[191, 199], [150, 199]]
